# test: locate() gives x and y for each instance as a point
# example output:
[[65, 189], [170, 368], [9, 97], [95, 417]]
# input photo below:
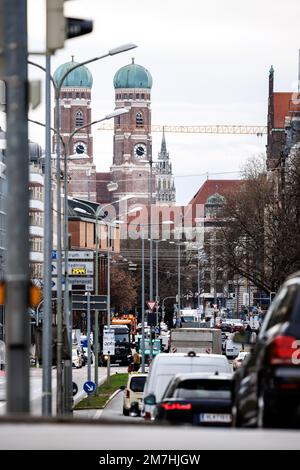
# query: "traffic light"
[[60, 28]]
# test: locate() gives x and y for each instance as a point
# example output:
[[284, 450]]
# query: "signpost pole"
[[108, 293], [88, 336]]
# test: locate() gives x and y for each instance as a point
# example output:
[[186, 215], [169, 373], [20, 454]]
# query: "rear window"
[[203, 389], [211, 366], [137, 384]]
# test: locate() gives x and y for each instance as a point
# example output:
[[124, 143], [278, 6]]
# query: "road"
[[114, 411], [93, 435], [79, 377]]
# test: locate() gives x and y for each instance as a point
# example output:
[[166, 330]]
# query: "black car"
[[267, 386], [200, 399]]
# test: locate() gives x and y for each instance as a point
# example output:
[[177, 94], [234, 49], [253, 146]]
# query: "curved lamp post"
[[47, 365]]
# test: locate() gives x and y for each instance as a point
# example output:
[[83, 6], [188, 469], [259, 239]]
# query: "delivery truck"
[[199, 340]]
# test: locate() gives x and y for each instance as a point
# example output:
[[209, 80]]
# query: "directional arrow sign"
[[75, 388], [89, 387], [151, 305]]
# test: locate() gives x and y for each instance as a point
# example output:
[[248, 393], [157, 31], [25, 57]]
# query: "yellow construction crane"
[[215, 129]]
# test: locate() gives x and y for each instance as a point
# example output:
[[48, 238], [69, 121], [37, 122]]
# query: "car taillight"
[[176, 406], [281, 350], [147, 415], [127, 393]]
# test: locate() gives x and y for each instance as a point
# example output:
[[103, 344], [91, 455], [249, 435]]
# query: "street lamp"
[[179, 244], [67, 313], [156, 275], [165, 222], [97, 213], [47, 389]]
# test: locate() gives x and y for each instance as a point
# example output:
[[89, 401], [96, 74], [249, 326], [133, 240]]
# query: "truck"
[[190, 316], [199, 340], [123, 345], [156, 347], [126, 319]]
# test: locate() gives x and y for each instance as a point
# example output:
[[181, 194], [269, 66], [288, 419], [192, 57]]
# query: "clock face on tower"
[[140, 150], [80, 147]]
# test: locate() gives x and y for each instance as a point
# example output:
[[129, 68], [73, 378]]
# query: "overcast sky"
[[209, 62]]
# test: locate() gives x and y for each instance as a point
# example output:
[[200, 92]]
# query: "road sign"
[[75, 268], [109, 342], [89, 386], [75, 388], [54, 283], [97, 302], [81, 255], [53, 254], [151, 304]]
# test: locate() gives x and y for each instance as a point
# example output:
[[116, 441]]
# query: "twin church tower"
[[132, 141]]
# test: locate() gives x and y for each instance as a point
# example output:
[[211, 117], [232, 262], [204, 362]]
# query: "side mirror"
[[150, 399], [122, 387]]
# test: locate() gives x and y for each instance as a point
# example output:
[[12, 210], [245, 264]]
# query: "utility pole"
[[143, 303], [17, 272], [48, 226]]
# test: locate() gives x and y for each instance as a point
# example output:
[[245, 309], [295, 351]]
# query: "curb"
[[83, 394], [111, 398]]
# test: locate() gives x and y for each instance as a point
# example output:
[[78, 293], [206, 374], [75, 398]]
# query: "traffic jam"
[[235, 373]]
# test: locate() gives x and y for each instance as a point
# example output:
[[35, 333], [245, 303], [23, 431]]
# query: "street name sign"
[[97, 302], [75, 268]]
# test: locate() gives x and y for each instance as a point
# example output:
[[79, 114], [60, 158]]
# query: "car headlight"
[[105, 357]]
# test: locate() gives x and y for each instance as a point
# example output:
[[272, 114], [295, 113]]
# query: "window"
[[137, 384], [130, 96], [36, 218], [203, 389], [137, 96], [36, 270], [142, 96], [36, 244], [79, 119], [282, 307], [36, 192], [139, 120]]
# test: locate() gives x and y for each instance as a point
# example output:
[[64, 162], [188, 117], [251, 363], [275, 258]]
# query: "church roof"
[[80, 77], [132, 76]]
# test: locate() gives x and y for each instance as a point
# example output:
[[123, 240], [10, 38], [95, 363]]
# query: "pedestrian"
[[136, 360]]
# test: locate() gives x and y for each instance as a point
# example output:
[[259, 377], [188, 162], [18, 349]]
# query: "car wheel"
[[125, 412]]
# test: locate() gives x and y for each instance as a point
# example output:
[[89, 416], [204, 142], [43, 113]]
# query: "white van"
[[165, 366], [232, 349]]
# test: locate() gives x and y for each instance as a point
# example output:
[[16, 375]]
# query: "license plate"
[[215, 418]]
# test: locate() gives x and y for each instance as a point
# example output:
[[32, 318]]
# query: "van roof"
[[173, 356], [204, 376]]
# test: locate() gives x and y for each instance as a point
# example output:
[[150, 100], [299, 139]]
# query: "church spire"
[[163, 154], [163, 148]]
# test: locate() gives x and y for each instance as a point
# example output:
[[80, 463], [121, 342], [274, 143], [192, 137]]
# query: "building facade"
[[132, 144], [75, 111]]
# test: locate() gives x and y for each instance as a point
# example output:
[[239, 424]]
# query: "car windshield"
[[137, 384], [121, 338], [188, 318], [203, 389]]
